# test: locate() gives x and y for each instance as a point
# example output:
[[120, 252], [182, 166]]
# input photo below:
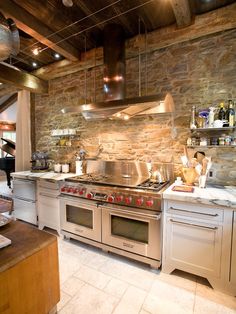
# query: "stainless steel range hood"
[[125, 108], [115, 105]]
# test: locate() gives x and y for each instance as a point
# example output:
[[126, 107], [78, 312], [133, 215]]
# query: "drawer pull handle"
[[193, 212], [194, 225]]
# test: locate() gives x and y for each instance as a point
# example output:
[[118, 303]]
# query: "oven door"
[[81, 217], [134, 230]]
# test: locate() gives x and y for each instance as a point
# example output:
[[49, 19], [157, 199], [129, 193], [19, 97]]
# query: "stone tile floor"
[[96, 282]]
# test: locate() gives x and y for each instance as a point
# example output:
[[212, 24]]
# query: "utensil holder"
[[190, 175]]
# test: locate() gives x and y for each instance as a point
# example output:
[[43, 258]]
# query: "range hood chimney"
[[115, 105]]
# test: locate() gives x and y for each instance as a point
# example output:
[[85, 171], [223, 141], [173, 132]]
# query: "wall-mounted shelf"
[[66, 135], [232, 128], [211, 146]]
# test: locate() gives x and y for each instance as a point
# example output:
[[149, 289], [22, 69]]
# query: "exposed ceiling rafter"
[[22, 80], [218, 20], [182, 12], [7, 103]]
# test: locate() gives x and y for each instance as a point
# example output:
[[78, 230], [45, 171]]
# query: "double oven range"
[[115, 207]]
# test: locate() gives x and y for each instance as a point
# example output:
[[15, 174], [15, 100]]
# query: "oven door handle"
[[154, 217]]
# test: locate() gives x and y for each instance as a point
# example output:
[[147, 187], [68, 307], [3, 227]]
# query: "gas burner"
[[151, 185]]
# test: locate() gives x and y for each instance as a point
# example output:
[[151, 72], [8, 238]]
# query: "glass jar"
[[222, 140], [214, 141], [203, 141], [227, 140]]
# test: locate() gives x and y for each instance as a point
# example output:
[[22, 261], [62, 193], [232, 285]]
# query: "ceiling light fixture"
[[1, 83], [34, 64], [57, 55], [36, 51], [67, 3]]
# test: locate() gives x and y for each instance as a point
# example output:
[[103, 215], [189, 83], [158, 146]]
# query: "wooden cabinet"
[[29, 271]]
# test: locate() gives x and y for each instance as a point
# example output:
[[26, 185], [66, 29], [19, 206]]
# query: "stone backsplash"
[[199, 72]]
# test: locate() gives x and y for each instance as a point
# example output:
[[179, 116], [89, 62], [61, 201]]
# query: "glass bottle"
[[193, 118], [221, 113], [230, 114]]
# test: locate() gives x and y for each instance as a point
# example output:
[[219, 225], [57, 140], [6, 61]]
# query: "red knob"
[[75, 191], [149, 203], [110, 199], [128, 200], [119, 198], [89, 195], [139, 201], [81, 192], [63, 189], [71, 190]]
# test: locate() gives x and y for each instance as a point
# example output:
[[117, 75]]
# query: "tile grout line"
[[195, 292]]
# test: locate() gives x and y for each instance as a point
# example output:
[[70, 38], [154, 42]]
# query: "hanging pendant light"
[[67, 3], [9, 38]]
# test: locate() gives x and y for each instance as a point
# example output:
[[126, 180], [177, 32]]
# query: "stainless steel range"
[[116, 206]]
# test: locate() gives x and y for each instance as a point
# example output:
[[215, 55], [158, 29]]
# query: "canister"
[[57, 167], [65, 168]]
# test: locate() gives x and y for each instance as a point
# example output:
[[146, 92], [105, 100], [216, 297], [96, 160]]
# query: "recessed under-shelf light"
[[34, 64], [57, 55], [36, 51], [1, 83]]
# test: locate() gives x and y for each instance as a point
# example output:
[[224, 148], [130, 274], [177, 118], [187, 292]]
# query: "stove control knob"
[[71, 189], [139, 201], [149, 203], [119, 198], [75, 191], [110, 199], [128, 200], [67, 189], [89, 195], [63, 189], [81, 192]]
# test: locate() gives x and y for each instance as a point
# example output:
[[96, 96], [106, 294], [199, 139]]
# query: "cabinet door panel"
[[233, 256], [194, 247]]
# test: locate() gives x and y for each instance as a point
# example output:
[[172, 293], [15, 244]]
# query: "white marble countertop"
[[49, 175], [211, 195]]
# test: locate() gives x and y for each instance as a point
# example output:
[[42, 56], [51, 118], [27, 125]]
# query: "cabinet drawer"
[[194, 210], [45, 184]]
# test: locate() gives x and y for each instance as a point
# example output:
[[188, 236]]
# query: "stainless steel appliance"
[[24, 196], [116, 207]]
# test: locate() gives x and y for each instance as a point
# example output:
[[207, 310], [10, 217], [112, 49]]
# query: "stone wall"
[[199, 72]]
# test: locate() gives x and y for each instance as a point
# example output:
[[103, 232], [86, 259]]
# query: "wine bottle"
[[230, 114], [193, 118], [221, 113]]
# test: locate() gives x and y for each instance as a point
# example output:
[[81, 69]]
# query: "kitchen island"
[[200, 234], [29, 273]]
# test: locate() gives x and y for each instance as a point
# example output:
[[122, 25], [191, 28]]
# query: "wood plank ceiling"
[[47, 24]]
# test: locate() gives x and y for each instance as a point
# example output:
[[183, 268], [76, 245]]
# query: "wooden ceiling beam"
[[22, 80], [205, 24], [35, 28], [7, 103], [6, 89], [182, 12]]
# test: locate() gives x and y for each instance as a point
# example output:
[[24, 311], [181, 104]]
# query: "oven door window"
[[131, 229], [79, 216]]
